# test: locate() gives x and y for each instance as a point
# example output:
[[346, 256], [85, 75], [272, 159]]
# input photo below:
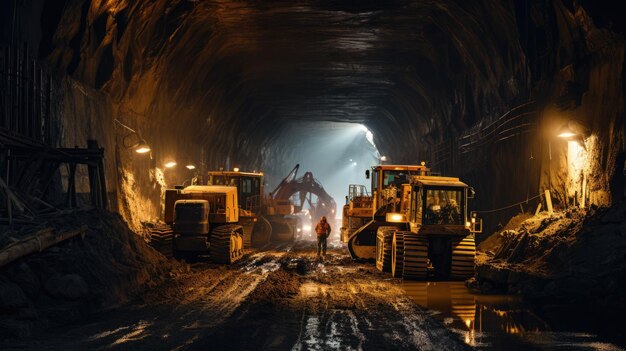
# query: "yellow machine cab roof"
[[211, 189], [439, 181]]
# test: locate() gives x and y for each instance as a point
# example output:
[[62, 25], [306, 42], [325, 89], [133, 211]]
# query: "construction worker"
[[323, 232]]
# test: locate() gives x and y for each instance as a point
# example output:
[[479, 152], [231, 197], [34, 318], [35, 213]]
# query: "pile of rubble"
[[103, 267], [567, 257]]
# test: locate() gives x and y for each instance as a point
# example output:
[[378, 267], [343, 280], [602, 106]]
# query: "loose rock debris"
[[77, 277], [568, 257], [283, 298]]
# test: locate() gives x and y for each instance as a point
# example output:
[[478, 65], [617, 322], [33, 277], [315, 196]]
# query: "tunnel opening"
[[337, 153]]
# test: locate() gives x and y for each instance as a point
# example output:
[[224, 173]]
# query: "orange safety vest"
[[322, 228]]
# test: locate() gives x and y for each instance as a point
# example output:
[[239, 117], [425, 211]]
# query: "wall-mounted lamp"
[[190, 167], [236, 169], [574, 130], [170, 164], [140, 145]]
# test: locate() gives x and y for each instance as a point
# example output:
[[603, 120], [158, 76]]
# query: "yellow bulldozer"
[[205, 219], [220, 218], [419, 227]]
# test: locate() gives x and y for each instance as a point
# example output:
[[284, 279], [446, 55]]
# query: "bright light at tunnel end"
[[335, 152]]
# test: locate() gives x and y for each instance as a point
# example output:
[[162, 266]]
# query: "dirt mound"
[[78, 276], [494, 241], [567, 257]]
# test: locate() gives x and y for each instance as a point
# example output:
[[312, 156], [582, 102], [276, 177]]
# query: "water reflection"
[[496, 322]]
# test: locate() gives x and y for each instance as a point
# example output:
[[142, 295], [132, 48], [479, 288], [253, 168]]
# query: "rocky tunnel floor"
[[282, 298]]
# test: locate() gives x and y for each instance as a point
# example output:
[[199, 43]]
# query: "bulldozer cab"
[[249, 187], [439, 205]]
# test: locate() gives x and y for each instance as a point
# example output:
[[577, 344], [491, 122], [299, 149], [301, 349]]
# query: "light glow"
[[142, 149], [190, 167], [236, 169], [566, 135], [337, 153], [395, 217], [170, 164], [577, 167]]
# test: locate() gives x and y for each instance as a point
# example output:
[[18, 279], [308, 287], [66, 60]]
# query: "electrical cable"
[[510, 206]]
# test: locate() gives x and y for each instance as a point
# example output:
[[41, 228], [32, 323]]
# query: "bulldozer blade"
[[362, 243]]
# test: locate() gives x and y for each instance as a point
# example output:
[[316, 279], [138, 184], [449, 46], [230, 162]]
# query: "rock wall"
[[212, 83], [574, 73]]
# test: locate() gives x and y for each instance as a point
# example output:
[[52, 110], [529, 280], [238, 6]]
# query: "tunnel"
[[121, 120]]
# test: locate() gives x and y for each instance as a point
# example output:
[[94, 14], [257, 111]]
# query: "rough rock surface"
[[481, 86], [78, 276], [568, 257]]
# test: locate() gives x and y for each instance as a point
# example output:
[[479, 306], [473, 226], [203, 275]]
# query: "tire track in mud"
[[339, 305], [172, 317], [280, 299]]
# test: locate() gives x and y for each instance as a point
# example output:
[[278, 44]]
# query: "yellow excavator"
[[420, 227]]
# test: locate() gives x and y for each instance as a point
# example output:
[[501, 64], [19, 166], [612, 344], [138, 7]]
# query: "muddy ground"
[[282, 298]]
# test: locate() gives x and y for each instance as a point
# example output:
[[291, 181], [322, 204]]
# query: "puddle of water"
[[501, 322]]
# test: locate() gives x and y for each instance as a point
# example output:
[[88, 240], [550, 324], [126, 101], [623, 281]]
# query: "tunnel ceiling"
[[412, 71]]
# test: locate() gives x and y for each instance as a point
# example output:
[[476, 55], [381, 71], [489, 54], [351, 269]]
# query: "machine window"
[[416, 204], [246, 185], [443, 206], [374, 180], [395, 177]]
